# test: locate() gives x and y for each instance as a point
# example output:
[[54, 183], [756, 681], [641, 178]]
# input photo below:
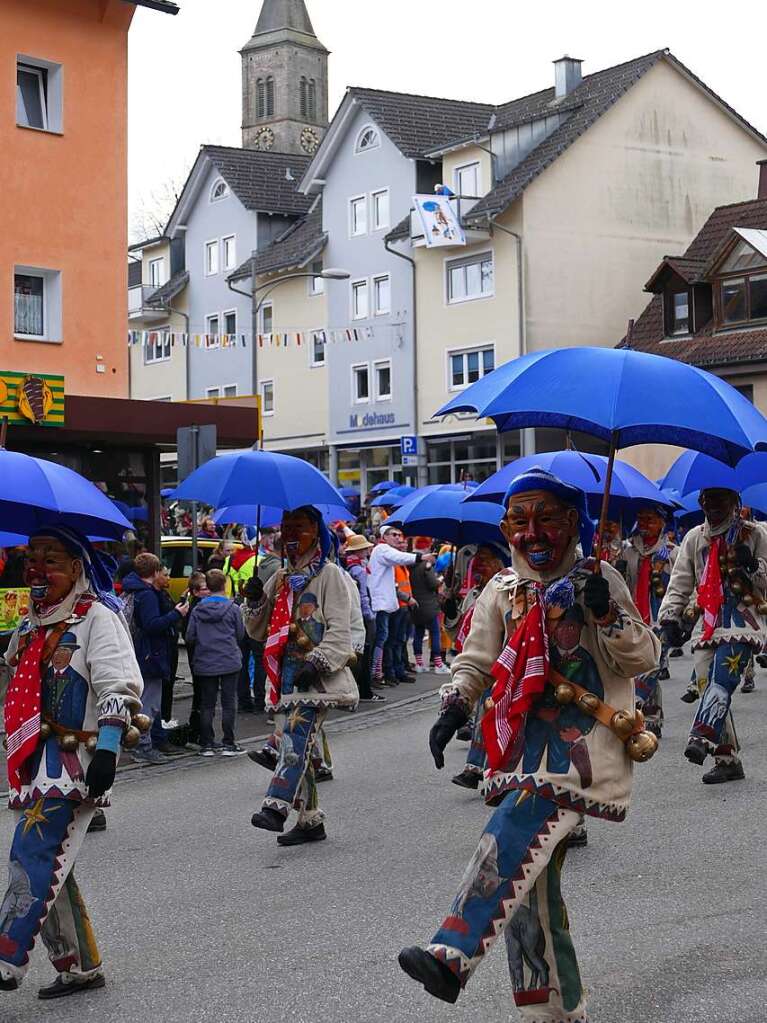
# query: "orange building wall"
[[63, 198]]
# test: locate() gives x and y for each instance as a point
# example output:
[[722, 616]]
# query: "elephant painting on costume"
[[526, 944], [481, 878], [288, 757], [18, 899]]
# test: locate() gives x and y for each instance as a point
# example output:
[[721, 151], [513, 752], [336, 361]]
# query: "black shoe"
[[323, 773], [696, 751], [676, 652], [438, 979], [664, 675], [722, 772], [9, 985], [247, 708], [407, 677], [58, 989], [748, 686], [263, 758], [268, 820], [467, 780], [654, 727], [761, 660], [98, 822], [690, 696], [298, 835], [465, 733], [578, 838], [169, 749], [391, 682], [373, 698]]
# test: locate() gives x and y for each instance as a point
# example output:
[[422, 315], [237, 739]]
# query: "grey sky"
[[185, 70]]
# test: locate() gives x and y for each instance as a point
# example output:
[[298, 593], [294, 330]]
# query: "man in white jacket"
[[383, 589]]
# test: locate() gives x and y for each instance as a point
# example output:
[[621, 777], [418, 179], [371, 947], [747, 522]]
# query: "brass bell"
[[564, 693], [45, 731], [91, 744], [736, 587], [642, 747], [622, 723], [489, 704], [722, 561], [655, 577], [748, 599], [588, 702], [732, 572], [69, 743], [762, 608], [691, 614], [131, 738], [303, 642], [142, 721], [292, 629]]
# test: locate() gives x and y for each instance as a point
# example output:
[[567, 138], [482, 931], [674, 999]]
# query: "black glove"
[[450, 607], [100, 776], [307, 677], [745, 558], [253, 589], [672, 635], [443, 730], [596, 595], [621, 566]]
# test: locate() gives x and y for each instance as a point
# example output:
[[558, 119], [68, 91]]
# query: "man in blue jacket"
[[153, 631]]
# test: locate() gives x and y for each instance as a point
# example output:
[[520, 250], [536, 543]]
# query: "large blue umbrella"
[[270, 517], [348, 492], [383, 486], [393, 497], [258, 477], [442, 513], [693, 471], [39, 493]]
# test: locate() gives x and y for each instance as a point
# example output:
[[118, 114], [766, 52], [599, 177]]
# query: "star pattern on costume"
[[733, 664], [296, 719], [35, 817]]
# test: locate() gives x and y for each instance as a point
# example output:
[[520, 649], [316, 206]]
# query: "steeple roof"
[[284, 20]]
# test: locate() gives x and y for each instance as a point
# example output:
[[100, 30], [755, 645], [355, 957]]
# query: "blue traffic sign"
[[409, 446]]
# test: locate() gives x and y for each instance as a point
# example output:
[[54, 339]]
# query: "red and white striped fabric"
[[463, 630], [711, 590], [520, 672], [22, 707], [279, 631]]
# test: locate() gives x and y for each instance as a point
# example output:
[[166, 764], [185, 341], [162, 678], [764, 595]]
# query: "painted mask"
[[486, 565], [50, 571], [718, 505], [649, 525], [300, 534], [540, 527]]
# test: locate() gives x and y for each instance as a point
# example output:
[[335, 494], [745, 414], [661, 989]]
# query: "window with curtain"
[[29, 307]]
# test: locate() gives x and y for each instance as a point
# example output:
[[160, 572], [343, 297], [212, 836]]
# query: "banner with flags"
[[164, 340]]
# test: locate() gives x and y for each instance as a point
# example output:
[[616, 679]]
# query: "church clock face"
[[265, 138], [310, 140]]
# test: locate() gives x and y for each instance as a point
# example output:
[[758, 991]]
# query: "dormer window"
[[677, 306], [368, 139], [743, 299], [220, 190]]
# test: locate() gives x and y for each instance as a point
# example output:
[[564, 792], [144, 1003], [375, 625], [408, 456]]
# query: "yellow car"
[[176, 554]]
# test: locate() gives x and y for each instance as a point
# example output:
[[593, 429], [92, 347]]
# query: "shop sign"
[[370, 420], [32, 398]]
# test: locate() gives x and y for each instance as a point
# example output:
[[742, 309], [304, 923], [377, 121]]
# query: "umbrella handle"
[[605, 500]]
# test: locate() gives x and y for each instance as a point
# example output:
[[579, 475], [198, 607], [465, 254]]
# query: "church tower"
[[284, 81]]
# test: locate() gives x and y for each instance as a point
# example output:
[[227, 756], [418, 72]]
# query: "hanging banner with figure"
[[439, 219]]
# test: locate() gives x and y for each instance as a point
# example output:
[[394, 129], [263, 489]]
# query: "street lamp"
[[333, 274]]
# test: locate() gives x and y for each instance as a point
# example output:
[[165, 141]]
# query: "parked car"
[[176, 554]]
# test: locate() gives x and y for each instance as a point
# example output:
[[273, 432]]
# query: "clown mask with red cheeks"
[[300, 534], [649, 525], [50, 571], [540, 528]]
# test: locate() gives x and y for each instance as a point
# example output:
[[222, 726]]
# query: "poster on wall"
[[439, 220]]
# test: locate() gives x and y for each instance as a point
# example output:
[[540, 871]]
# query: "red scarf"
[[279, 632], [711, 591], [642, 595], [463, 630], [23, 706], [520, 673]]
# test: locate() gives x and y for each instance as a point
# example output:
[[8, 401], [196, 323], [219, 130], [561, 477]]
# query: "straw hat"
[[357, 543]]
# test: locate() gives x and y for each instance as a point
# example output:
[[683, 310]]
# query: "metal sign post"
[[196, 445]]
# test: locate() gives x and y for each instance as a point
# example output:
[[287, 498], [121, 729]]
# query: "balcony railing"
[[137, 303]]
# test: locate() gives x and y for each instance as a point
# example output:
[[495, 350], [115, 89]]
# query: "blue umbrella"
[[140, 514], [442, 513], [166, 491], [694, 471], [393, 497], [381, 488], [348, 492], [46, 493], [258, 477], [13, 540], [270, 517], [628, 487]]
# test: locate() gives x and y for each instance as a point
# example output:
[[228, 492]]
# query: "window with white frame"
[[358, 216], [382, 379], [266, 388], [212, 392], [360, 300], [158, 346], [266, 318], [466, 180], [381, 295], [229, 252], [367, 139], [37, 304], [360, 383], [229, 391], [157, 272], [212, 331], [316, 284], [379, 209], [220, 190], [38, 94], [469, 365], [230, 322], [318, 348], [211, 258], [470, 278]]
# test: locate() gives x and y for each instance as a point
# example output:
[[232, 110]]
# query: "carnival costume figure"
[[725, 560], [555, 746], [649, 558], [305, 619], [73, 699]]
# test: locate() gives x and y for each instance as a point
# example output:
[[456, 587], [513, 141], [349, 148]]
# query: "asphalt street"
[[202, 918]]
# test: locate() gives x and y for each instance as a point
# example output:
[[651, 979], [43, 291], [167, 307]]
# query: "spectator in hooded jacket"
[[425, 613], [216, 631]]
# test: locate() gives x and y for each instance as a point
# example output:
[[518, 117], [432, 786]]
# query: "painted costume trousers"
[[649, 692], [718, 672], [512, 886], [476, 758], [43, 896], [293, 784]]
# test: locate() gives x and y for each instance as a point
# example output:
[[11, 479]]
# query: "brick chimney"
[[762, 190], [567, 75]]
